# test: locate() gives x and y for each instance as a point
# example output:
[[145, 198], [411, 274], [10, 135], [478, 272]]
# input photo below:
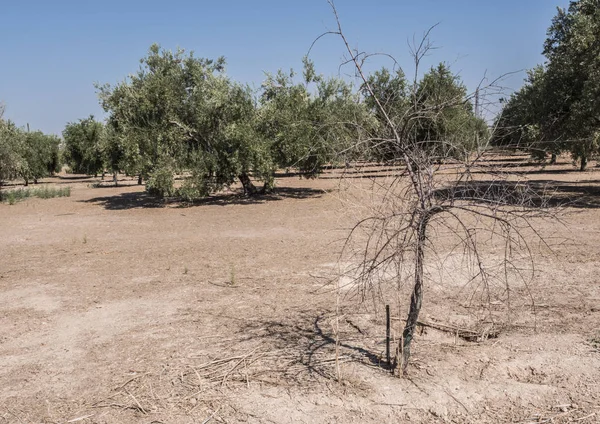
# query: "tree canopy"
[[182, 116], [433, 112], [557, 108], [26, 155], [83, 151]]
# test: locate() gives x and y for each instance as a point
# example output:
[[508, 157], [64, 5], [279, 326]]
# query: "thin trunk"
[[553, 159], [115, 179], [26, 182], [584, 161], [140, 180], [266, 188], [103, 174], [416, 299], [249, 188], [35, 180]]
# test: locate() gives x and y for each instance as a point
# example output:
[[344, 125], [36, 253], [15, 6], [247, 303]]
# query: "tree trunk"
[[140, 180], [266, 188], [249, 188], [26, 182], [115, 179], [416, 299], [584, 161], [35, 180], [103, 173], [553, 159]]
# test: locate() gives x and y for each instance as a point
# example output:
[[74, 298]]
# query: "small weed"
[[85, 239], [595, 341], [232, 275], [185, 270]]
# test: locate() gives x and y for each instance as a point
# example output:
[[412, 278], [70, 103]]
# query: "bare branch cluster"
[[458, 212]]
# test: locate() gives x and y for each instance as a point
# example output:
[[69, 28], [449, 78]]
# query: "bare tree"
[[442, 189]]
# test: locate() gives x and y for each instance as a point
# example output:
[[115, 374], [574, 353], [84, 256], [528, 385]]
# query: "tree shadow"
[[310, 350], [490, 169], [136, 200], [124, 201], [528, 194]]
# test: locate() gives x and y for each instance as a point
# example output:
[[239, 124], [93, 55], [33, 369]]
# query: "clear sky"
[[52, 52]]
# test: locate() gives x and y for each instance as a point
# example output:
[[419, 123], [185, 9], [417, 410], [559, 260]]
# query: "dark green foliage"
[[433, 114], [558, 108], [27, 155], [448, 126], [180, 115], [11, 149], [83, 146], [41, 156], [311, 123]]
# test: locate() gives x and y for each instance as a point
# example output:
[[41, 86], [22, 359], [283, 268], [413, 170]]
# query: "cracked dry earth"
[[116, 308]]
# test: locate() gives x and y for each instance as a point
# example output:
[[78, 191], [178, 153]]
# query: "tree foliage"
[[181, 115], [40, 154], [83, 151], [433, 113], [557, 109], [11, 160], [27, 155], [310, 123]]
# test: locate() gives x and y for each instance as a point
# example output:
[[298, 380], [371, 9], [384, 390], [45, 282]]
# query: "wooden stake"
[[387, 336]]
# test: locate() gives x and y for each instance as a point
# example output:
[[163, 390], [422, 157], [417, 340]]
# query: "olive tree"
[[311, 123], [11, 142], [557, 109], [40, 153], [83, 146], [432, 112], [27, 155], [180, 115]]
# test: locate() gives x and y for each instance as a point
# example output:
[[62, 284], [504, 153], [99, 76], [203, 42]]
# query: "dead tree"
[[394, 237]]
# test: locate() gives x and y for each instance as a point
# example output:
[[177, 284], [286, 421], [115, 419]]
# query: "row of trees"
[[557, 109], [24, 154], [181, 116]]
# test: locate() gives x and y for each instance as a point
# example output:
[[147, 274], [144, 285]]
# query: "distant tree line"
[[26, 155], [181, 116], [558, 108]]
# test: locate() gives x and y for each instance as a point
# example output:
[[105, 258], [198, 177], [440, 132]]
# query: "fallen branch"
[[465, 334]]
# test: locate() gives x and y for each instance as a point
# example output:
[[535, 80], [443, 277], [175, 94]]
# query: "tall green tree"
[[434, 113], [312, 122], [11, 148], [557, 108], [40, 153], [573, 72], [27, 155], [181, 115], [83, 150]]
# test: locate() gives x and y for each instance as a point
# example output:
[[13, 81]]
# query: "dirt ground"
[[116, 308]]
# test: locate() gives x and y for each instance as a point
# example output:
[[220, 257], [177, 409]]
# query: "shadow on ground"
[[144, 200], [528, 194], [309, 346]]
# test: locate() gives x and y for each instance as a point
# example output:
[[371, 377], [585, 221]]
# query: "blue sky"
[[52, 52]]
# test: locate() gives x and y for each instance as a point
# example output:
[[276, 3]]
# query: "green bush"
[[13, 196]]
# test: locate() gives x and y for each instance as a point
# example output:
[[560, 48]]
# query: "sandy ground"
[[116, 308]]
